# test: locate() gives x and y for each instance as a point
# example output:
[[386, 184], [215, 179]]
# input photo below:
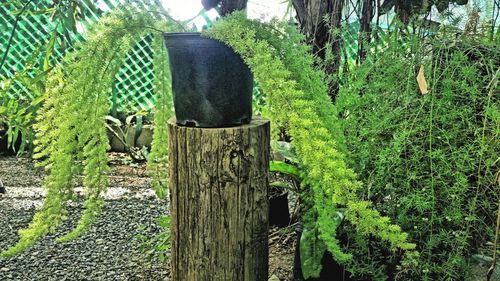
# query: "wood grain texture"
[[219, 202]]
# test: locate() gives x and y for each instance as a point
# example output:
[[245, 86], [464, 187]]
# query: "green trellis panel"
[[134, 81]]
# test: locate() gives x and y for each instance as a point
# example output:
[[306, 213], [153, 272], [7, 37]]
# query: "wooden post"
[[219, 202]]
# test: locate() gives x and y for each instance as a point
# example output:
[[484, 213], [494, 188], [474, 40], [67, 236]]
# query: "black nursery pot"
[[212, 86]]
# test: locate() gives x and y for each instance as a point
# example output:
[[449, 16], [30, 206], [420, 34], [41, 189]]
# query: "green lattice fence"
[[134, 82]]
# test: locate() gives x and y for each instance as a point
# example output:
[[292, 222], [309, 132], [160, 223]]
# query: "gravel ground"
[[109, 250]]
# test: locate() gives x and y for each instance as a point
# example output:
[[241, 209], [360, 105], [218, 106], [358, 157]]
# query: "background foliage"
[[428, 161]]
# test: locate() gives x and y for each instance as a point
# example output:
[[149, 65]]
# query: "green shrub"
[[428, 161]]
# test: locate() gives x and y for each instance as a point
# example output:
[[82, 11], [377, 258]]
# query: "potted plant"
[[211, 85]]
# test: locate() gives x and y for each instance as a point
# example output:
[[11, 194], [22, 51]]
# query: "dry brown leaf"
[[422, 84]]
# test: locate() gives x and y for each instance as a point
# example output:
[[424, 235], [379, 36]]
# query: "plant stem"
[[13, 32]]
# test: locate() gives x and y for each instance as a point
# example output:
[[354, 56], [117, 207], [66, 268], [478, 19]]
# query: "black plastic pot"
[[212, 86], [279, 214]]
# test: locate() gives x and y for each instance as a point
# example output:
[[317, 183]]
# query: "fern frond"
[[158, 158]]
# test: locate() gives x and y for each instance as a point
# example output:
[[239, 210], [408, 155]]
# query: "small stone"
[[274, 278], [4, 269]]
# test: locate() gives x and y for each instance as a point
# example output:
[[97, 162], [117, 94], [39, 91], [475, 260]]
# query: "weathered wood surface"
[[219, 202]]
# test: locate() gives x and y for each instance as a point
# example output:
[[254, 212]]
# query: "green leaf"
[[40, 76], [22, 147], [114, 120], [164, 221], [285, 150], [114, 101], [482, 258], [69, 19], [280, 185], [50, 49], [37, 101], [128, 120], [9, 136], [281, 167]]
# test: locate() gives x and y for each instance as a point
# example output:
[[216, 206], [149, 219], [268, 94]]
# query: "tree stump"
[[219, 202]]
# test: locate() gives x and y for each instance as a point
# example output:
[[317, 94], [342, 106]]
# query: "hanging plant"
[[297, 101], [71, 137]]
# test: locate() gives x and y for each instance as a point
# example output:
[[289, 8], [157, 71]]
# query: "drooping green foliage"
[[297, 100], [429, 160], [71, 133], [158, 158]]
